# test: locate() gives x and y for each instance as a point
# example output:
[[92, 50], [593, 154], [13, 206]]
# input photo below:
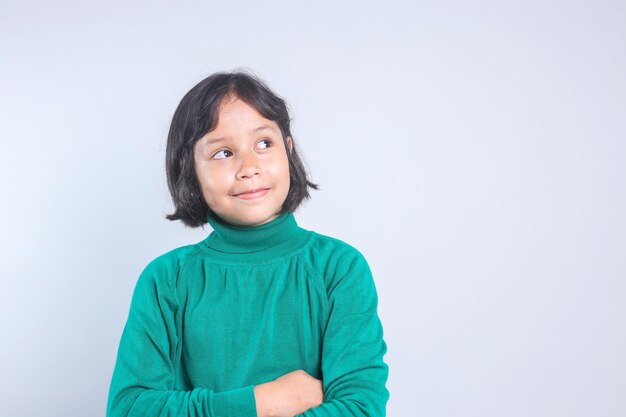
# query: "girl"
[[263, 317]]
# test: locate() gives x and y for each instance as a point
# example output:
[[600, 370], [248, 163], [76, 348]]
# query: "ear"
[[289, 144]]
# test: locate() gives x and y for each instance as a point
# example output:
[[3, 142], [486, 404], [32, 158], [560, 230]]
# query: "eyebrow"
[[263, 127], [215, 140]]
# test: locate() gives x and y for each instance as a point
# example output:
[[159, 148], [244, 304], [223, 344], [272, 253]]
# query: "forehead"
[[234, 108], [235, 114]]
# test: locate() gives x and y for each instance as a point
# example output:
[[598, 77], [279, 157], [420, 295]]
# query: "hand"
[[288, 395]]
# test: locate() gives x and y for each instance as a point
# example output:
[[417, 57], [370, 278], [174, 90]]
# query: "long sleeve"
[[144, 375], [354, 373]]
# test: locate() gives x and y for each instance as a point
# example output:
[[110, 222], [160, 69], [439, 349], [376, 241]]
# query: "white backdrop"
[[474, 152]]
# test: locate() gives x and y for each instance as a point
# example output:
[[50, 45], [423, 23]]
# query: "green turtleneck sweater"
[[211, 320]]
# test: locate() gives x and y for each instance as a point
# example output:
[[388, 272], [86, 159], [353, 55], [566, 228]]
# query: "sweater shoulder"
[[171, 260], [339, 265], [163, 270], [331, 256], [338, 247]]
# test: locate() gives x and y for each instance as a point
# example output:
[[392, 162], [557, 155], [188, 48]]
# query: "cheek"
[[287, 177], [213, 184], [281, 178], [281, 170]]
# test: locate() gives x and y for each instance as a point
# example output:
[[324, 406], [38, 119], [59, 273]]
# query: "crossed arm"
[[354, 374]]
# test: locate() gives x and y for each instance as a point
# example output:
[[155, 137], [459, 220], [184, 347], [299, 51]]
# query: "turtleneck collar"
[[276, 235]]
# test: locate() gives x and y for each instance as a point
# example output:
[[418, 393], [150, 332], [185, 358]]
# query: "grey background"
[[473, 151]]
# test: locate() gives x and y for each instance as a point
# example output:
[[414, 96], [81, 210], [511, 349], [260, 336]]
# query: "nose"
[[249, 166]]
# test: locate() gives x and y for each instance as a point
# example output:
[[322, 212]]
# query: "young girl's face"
[[242, 165]]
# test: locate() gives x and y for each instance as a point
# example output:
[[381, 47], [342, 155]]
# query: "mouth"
[[253, 194]]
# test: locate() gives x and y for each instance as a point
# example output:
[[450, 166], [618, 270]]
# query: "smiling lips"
[[252, 194]]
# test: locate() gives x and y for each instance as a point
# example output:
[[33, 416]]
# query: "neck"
[[275, 235]]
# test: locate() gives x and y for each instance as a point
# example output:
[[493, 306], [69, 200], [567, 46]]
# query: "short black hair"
[[196, 115]]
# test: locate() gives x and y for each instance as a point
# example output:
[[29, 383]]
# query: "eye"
[[268, 143], [222, 153]]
